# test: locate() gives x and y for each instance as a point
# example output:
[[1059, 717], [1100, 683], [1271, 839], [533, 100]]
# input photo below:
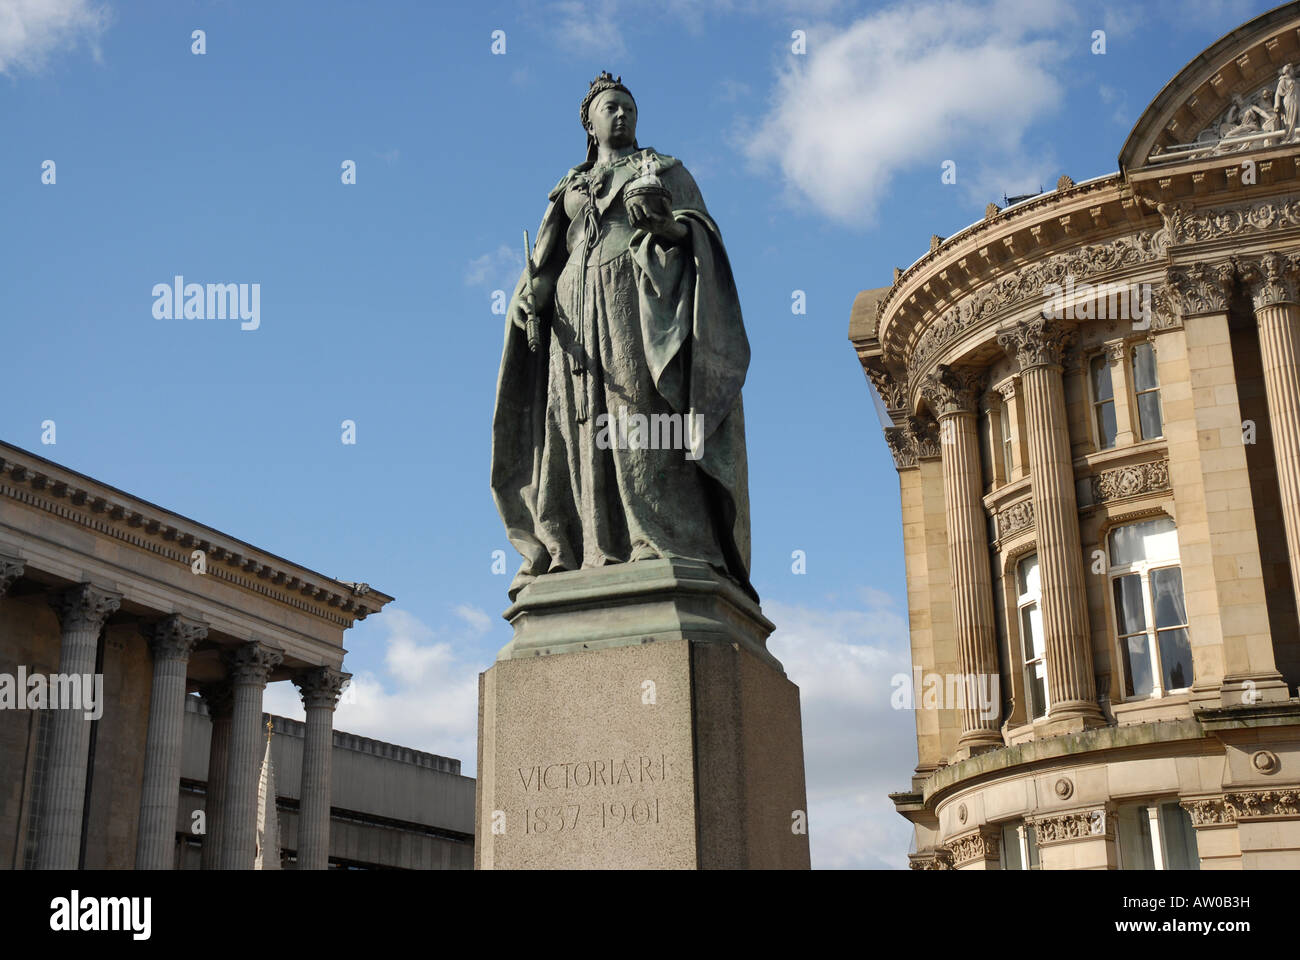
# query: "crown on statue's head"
[[606, 81]]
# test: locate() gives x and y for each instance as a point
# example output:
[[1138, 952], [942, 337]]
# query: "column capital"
[[983, 844], [1037, 342], [85, 606], [321, 686], [1200, 288], [218, 697], [1006, 389], [953, 390], [1270, 278], [174, 637], [252, 662], [890, 383], [11, 568]]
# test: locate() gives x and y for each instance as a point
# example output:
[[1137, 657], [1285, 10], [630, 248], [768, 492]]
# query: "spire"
[[268, 822]]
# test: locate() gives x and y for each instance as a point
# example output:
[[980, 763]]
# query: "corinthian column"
[[953, 396], [82, 611], [320, 690], [171, 642], [11, 568], [1038, 345], [250, 667], [1272, 282], [219, 698]]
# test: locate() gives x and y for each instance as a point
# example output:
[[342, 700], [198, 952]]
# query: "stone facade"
[[97, 583], [1109, 521]]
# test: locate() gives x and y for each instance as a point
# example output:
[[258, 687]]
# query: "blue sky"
[[822, 170]]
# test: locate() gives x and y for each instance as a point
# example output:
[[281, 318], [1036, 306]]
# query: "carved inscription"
[[575, 794]]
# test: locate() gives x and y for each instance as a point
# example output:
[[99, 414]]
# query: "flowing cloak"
[[693, 343]]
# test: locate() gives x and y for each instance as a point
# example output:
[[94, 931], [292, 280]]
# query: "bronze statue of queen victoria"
[[626, 313]]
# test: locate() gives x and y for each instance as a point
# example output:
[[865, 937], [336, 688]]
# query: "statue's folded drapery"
[[656, 332]]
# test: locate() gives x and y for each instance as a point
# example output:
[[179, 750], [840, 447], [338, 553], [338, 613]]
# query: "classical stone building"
[[1093, 402], [96, 584]]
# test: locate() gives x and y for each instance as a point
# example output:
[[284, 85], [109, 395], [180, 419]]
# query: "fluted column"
[[82, 611], [1272, 283], [250, 667], [170, 642], [320, 689], [1038, 345], [953, 396], [219, 698], [11, 568]]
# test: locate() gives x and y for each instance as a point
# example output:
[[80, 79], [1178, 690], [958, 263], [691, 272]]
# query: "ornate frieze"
[[1270, 278], [1015, 518], [1242, 805], [1030, 283], [1193, 226], [1200, 288], [1210, 812], [931, 860], [1037, 342], [952, 390], [1080, 825], [1131, 480], [981, 845]]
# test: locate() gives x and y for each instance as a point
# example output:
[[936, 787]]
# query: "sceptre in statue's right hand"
[[531, 328]]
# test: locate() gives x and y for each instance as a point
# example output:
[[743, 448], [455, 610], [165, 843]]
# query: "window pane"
[[1149, 416], [1029, 576], [1167, 597], [1134, 834], [1175, 659], [1037, 681], [1101, 388], [1179, 838], [1137, 661], [1150, 540], [1031, 842], [1011, 848], [1144, 367], [1106, 425], [1129, 615]]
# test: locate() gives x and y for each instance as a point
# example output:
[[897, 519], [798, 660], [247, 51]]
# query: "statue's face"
[[611, 119]]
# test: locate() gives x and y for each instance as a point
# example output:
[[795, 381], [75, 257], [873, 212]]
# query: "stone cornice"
[[80, 500]]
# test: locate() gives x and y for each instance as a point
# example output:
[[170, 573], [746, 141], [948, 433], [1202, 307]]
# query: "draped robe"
[[656, 330]]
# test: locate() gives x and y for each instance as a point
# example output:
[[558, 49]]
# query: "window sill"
[[1171, 706]]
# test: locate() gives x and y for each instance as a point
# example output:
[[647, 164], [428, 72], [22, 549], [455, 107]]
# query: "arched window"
[[1150, 616]]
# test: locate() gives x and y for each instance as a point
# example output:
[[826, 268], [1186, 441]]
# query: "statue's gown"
[[657, 331]]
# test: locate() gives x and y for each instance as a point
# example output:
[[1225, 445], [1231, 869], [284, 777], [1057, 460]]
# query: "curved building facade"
[[1093, 402]]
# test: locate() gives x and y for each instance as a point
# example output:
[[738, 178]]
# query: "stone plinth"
[[637, 721]]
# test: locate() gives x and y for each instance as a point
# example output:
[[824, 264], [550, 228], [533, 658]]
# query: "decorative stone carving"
[[1037, 342], [940, 859], [891, 385], [1064, 788], [174, 637], [1265, 761], [961, 813], [85, 607], [1016, 517], [1081, 825], [1006, 390], [901, 446], [322, 686], [252, 662], [1188, 226], [952, 390], [1208, 813], [981, 845], [925, 435], [11, 568], [1164, 314], [1251, 804], [1201, 288], [1270, 278], [1131, 480], [1030, 283]]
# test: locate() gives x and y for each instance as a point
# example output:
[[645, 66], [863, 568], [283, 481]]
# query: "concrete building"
[[1093, 402], [100, 587]]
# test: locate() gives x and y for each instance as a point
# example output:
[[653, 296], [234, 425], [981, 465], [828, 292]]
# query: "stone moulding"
[[1131, 480], [1243, 805], [974, 846], [1195, 226], [1079, 825], [1016, 517], [1029, 284]]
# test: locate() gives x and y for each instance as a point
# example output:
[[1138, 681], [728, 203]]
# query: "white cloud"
[[32, 30], [498, 270], [913, 85], [426, 696], [857, 748]]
